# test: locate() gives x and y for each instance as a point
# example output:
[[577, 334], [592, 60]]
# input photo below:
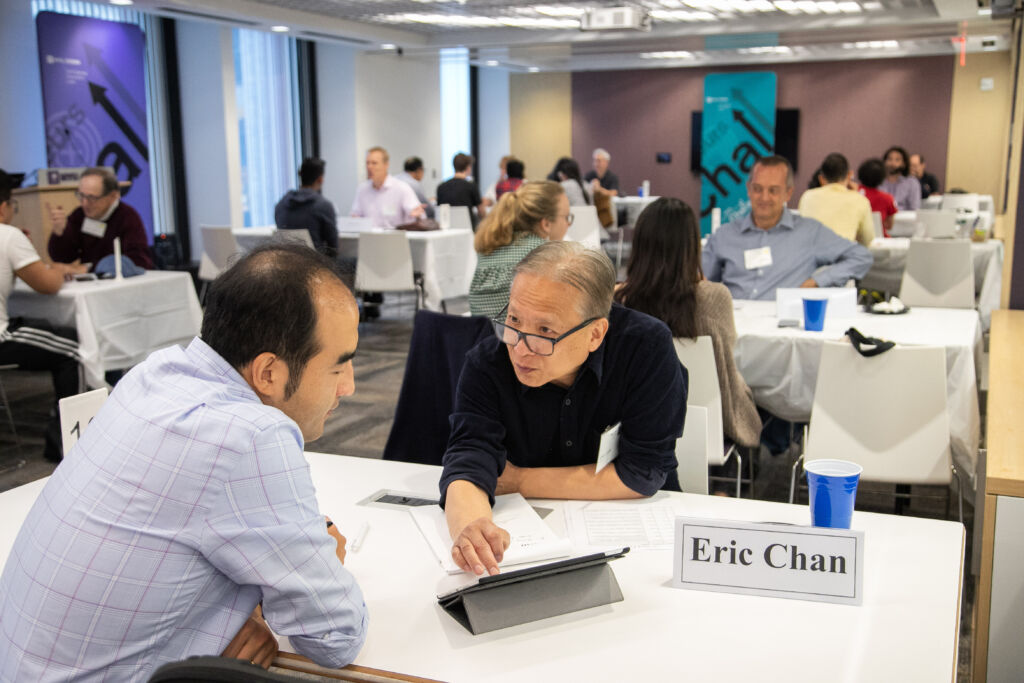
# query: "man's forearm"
[[573, 483], [464, 502]]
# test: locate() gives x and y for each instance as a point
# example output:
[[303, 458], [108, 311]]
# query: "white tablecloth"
[[891, 258], [119, 323], [781, 364]]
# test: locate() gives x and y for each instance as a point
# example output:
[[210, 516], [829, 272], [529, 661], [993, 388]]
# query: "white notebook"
[[532, 540]]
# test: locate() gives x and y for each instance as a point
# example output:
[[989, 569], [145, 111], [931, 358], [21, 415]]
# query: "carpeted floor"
[[361, 424]]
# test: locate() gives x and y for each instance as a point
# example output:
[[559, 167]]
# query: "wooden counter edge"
[[353, 673]]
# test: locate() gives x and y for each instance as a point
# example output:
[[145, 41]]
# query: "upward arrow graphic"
[[94, 55], [99, 96], [738, 115]]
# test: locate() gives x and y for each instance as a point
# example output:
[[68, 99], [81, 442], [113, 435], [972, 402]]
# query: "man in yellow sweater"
[[845, 211]]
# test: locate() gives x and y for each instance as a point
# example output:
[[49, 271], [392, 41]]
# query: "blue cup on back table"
[[832, 486], [814, 314]]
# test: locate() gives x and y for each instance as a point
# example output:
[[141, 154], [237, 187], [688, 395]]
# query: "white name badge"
[[757, 258], [91, 226], [608, 449], [776, 560]]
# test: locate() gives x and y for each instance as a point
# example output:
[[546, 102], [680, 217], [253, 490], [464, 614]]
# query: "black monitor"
[[787, 136]]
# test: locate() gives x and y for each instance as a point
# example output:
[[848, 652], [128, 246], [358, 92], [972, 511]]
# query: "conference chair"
[[887, 413], [961, 202], [219, 246], [300, 235], [437, 352], [698, 357], [716, 219], [938, 274], [19, 462], [211, 669], [76, 412], [876, 223], [459, 218], [585, 228], [937, 224], [385, 264]]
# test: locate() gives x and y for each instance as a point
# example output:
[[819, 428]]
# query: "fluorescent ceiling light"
[[534, 69], [849, 7], [787, 6], [828, 6], [560, 10], [670, 54], [279, 29], [491, 62], [387, 46], [123, 3]]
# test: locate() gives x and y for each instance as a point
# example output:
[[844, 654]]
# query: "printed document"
[[640, 524]]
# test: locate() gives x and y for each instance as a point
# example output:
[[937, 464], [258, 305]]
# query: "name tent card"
[[776, 560]]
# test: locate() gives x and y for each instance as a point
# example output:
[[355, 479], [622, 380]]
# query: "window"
[[455, 126]]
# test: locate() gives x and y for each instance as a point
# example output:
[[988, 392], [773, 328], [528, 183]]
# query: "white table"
[[781, 364], [890, 256], [446, 258], [121, 322], [906, 629]]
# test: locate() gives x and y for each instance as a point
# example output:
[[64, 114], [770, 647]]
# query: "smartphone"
[[789, 322]]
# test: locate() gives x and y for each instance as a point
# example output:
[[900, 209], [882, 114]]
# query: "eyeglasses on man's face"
[[538, 344], [88, 198]]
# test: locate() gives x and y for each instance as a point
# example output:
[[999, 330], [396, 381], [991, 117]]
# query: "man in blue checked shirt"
[[187, 504]]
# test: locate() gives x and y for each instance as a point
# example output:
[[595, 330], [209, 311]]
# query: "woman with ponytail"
[[521, 221]]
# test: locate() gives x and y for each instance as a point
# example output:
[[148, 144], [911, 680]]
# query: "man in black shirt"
[[603, 181], [929, 183], [459, 191], [534, 400], [307, 209]]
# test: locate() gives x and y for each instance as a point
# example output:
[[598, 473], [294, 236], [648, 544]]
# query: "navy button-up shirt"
[[633, 378], [799, 247]]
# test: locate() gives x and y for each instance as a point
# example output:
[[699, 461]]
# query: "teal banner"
[[737, 127]]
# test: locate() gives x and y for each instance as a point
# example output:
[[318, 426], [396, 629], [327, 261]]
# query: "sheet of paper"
[[608, 449], [532, 539], [647, 524]]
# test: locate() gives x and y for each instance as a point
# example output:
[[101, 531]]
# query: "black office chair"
[[211, 669], [437, 352]]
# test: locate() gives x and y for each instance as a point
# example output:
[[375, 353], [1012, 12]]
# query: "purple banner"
[[94, 100]]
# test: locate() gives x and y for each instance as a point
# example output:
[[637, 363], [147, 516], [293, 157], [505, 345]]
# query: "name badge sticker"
[[754, 259], [775, 560], [91, 226]]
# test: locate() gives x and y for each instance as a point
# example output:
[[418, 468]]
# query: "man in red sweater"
[[88, 235]]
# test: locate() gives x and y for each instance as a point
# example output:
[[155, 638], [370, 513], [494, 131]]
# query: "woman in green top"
[[522, 220]]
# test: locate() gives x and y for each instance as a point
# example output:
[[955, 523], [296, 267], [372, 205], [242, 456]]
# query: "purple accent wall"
[[856, 108]]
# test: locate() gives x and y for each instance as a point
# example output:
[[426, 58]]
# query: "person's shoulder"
[[714, 295], [128, 211], [591, 174], [625, 322]]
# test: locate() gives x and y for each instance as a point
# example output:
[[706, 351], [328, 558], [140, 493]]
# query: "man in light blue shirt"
[[186, 514], [771, 247]]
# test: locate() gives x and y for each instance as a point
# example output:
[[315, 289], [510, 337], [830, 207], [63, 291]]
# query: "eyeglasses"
[[542, 346], [569, 218], [90, 198]]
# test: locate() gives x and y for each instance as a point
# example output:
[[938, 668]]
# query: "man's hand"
[[58, 218], [418, 212], [480, 546], [332, 530], [70, 270], [509, 480], [809, 282], [255, 642]]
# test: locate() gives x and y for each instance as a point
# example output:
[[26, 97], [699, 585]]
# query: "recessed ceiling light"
[[534, 69], [491, 62], [121, 2], [387, 46], [279, 29]]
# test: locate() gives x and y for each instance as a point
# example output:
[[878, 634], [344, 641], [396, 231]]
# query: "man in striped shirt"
[[29, 343]]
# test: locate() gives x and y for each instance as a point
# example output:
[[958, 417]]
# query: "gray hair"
[[105, 175], [587, 270], [603, 153]]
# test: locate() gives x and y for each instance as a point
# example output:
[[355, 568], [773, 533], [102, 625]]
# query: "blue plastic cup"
[[814, 314], [832, 485]]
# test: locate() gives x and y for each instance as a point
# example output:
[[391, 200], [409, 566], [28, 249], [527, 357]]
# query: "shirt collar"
[[786, 221], [113, 207], [211, 361]]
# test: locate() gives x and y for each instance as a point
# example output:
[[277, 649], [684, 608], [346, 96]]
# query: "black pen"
[[329, 524]]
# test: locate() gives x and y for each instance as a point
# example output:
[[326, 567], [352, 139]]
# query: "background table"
[[906, 629], [781, 364], [890, 255], [119, 322]]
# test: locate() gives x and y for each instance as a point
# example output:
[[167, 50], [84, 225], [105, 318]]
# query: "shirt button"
[[568, 401], [568, 444]]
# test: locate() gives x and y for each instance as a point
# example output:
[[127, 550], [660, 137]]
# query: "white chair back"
[[300, 235], [460, 218], [716, 219], [585, 228], [886, 413], [354, 224], [876, 222], [961, 202], [219, 246], [692, 450], [937, 224], [698, 357], [939, 273], [76, 412], [385, 262]]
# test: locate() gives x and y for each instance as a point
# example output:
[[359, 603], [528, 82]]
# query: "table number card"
[[776, 560]]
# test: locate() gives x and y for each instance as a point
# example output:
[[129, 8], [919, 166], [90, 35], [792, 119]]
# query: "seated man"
[[412, 175], [35, 344], [88, 235], [533, 401], [307, 209], [188, 503], [460, 191], [844, 210], [770, 247], [386, 200]]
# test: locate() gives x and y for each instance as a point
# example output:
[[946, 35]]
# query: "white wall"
[[398, 106], [22, 130], [210, 128], [492, 88], [336, 78]]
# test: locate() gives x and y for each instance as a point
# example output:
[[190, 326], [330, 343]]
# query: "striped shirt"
[[185, 503]]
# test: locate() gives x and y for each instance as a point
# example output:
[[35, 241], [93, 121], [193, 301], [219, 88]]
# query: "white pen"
[[360, 536]]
